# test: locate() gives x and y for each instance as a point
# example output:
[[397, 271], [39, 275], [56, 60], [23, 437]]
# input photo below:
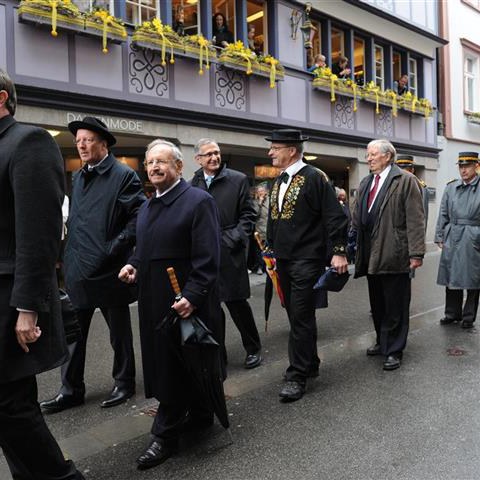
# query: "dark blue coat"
[[101, 234], [179, 230]]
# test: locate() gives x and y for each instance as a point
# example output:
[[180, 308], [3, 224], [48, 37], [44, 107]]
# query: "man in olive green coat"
[[390, 225]]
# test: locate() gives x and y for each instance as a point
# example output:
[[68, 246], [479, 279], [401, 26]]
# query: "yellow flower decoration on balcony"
[[238, 49], [162, 30], [203, 43], [393, 96], [350, 83], [107, 19], [273, 62], [371, 87]]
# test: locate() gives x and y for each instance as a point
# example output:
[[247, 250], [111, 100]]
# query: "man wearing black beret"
[[304, 215], [106, 197]]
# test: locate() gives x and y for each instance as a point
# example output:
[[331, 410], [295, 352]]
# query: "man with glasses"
[[304, 218], [231, 191], [106, 197], [32, 338]]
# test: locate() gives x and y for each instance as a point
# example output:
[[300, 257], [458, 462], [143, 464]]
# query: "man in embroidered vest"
[[390, 225], [304, 216]]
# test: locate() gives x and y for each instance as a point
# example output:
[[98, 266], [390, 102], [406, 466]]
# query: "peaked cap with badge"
[[467, 158]]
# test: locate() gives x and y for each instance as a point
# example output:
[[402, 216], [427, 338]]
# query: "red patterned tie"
[[373, 191]]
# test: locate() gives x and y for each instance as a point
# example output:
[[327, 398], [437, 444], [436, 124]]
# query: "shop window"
[[227, 9], [397, 66], [359, 60], [413, 76], [471, 82], [139, 11], [186, 17], [257, 26], [88, 5], [379, 67], [338, 44]]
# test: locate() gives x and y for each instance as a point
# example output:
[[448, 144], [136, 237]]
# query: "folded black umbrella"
[[332, 281]]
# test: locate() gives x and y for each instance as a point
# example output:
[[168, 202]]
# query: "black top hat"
[[287, 135], [466, 158], [95, 125], [405, 161]]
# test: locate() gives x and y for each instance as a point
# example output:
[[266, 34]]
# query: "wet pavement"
[[355, 422]]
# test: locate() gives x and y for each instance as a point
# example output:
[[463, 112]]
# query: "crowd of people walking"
[[120, 245]]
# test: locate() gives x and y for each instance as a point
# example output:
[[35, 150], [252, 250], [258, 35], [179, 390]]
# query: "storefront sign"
[[113, 123]]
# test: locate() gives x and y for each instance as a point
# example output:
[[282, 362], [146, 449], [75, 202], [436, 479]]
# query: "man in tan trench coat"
[[389, 221]]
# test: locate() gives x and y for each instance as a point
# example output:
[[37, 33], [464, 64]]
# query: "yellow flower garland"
[[273, 69], [203, 43], [161, 30], [53, 4]]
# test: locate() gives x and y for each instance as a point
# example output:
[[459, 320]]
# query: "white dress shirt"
[[158, 194], [291, 170], [383, 176]]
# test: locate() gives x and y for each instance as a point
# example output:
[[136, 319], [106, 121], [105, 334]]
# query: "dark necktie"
[[283, 178], [373, 191]]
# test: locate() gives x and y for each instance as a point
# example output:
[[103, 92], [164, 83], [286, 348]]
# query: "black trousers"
[[454, 302], [297, 278], [390, 305], [121, 340], [30, 449], [242, 316]]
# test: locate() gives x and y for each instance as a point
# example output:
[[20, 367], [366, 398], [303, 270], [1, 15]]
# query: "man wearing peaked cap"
[[304, 213], [458, 235], [106, 196], [407, 163]]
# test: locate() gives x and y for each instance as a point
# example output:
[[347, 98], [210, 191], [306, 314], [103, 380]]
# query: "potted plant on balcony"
[[100, 23], [54, 14], [156, 36]]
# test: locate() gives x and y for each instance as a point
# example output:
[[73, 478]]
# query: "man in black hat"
[[458, 235], [106, 197], [407, 163], [304, 217]]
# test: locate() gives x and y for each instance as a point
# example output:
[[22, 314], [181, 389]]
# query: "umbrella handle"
[[174, 281], [259, 240]]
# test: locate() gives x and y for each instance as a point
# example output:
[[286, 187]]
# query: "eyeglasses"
[[209, 154], [88, 141], [155, 161], [276, 149]]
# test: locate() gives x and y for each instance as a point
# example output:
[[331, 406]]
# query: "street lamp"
[[308, 28]]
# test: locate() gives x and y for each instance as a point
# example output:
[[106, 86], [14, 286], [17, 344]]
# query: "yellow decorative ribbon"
[[393, 95], [203, 42], [54, 4], [414, 103], [161, 32], [273, 70], [332, 87], [107, 19], [354, 88]]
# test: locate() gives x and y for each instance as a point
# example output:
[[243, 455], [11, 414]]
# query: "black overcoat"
[[31, 196], [231, 191], [101, 234], [179, 230]]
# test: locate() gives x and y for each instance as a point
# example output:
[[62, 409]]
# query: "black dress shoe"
[[291, 392], [467, 324], [154, 455], [61, 402], [253, 360], [447, 321], [374, 350], [392, 362], [117, 396]]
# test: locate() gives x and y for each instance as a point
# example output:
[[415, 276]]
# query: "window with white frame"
[[471, 82], [412, 76], [139, 11], [88, 5], [379, 70]]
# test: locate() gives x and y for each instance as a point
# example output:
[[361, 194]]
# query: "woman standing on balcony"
[[222, 36]]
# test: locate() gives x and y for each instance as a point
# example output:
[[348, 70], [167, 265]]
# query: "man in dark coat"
[[231, 191], [32, 339], [304, 216], [177, 228], [101, 234], [458, 235], [390, 225]]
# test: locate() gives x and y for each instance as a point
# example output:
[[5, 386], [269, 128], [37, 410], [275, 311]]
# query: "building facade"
[[459, 82], [140, 96]]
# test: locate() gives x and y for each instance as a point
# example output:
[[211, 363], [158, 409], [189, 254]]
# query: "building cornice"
[[470, 45], [44, 98]]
